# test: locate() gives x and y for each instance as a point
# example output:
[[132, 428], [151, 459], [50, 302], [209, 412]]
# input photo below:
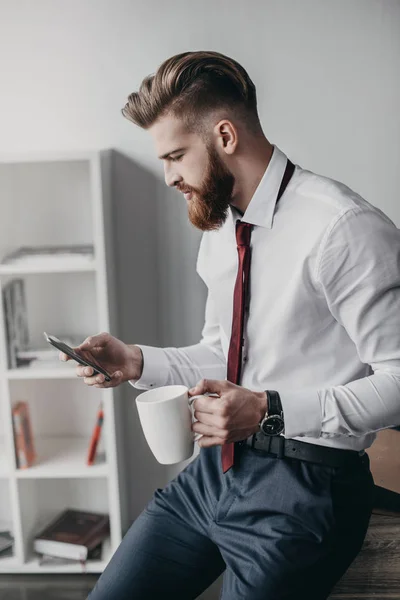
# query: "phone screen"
[[79, 358]]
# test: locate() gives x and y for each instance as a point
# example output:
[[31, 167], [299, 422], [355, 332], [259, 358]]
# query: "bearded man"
[[300, 347]]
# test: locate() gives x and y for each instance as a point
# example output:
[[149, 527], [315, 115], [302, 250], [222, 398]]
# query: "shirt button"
[[245, 358]]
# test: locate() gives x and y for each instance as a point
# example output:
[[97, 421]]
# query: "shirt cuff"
[[302, 414], [155, 368]]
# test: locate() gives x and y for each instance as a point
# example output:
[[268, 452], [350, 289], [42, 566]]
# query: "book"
[[94, 441], [37, 254], [73, 534], [16, 320], [5, 527], [23, 438], [56, 561], [6, 542]]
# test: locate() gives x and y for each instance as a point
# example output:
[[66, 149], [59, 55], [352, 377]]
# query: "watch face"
[[273, 425]]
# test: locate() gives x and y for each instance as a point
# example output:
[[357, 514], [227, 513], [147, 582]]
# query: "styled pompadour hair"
[[190, 86]]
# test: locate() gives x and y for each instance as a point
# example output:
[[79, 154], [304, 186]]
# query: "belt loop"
[[253, 440], [281, 446]]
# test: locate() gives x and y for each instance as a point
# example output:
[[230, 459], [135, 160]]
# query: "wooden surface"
[[46, 587], [384, 455], [375, 573]]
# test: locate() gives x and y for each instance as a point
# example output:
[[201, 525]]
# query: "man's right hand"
[[122, 361]]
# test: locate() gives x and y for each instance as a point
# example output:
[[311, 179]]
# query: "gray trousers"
[[280, 528]]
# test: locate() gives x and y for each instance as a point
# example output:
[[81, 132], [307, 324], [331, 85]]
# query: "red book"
[[95, 437], [23, 438]]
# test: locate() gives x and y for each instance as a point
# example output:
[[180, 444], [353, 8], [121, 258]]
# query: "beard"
[[209, 205]]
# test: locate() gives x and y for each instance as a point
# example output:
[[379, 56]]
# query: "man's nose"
[[171, 177]]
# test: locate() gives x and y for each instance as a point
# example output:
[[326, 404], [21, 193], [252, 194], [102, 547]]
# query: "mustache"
[[184, 189]]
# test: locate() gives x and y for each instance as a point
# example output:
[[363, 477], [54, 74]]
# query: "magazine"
[[36, 254]]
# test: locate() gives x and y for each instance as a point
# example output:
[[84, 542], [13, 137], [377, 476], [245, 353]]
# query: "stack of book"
[[14, 299], [40, 255], [20, 351], [6, 541], [75, 536], [46, 357]]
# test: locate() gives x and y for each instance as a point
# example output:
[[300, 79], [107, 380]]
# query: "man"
[[281, 493]]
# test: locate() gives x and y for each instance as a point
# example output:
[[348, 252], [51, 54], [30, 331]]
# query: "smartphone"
[[79, 358]]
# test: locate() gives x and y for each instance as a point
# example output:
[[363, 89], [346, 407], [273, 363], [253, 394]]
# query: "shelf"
[[64, 371], [65, 199], [49, 157], [54, 265], [4, 468], [11, 565], [62, 458]]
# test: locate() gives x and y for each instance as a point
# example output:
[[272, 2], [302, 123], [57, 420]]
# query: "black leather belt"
[[281, 447]]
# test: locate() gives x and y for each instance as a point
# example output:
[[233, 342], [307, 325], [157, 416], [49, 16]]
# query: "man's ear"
[[226, 136]]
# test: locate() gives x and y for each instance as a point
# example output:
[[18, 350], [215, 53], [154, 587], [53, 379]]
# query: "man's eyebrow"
[[171, 152]]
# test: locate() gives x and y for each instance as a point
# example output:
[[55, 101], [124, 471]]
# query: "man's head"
[[199, 107]]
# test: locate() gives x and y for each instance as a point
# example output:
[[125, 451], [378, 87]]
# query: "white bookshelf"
[[59, 199]]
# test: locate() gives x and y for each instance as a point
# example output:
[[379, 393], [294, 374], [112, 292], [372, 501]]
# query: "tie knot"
[[243, 233]]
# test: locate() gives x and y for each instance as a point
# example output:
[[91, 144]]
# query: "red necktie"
[[243, 234], [241, 298]]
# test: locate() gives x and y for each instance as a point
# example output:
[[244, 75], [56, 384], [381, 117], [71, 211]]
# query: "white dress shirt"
[[323, 327]]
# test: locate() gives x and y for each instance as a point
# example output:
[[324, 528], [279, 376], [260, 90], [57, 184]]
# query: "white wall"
[[326, 72], [327, 75]]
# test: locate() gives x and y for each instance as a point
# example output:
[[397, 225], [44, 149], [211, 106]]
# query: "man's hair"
[[192, 85]]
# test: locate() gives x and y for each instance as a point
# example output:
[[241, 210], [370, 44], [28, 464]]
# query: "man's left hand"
[[233, 416]]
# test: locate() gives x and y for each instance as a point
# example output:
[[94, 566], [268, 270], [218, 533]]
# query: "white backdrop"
[[327, 75]]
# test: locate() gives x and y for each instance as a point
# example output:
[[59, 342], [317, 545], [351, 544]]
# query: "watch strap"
[[274, 403]]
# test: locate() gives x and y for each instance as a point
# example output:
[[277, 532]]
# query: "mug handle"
[[197, 436]]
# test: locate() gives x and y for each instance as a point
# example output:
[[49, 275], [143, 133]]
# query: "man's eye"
[[176, 158]]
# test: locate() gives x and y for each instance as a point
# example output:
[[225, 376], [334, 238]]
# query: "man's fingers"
[[213, 386], [206, 442], [62, 356], [82, 371], [209, 430], [209, 418], [206, 404], [116, 379], [95, 379]]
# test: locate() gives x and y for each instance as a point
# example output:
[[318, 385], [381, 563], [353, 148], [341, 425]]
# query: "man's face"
[[195, 169]]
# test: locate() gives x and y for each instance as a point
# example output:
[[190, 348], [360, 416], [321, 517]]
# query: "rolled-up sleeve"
[[359, 273]]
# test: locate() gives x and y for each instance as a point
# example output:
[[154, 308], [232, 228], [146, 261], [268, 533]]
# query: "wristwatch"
[[273, 422]]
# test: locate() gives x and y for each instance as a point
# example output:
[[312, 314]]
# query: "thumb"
[[212, 386], [95, 340]]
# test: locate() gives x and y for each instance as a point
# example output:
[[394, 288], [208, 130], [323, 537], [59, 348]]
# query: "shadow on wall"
[[160, 298]]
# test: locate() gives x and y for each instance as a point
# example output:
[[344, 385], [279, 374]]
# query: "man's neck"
[[250, 172]]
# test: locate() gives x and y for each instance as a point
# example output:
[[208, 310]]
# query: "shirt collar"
[[261, 208]]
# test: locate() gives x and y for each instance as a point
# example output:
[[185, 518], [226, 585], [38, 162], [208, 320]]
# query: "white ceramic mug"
[[166, 417]]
